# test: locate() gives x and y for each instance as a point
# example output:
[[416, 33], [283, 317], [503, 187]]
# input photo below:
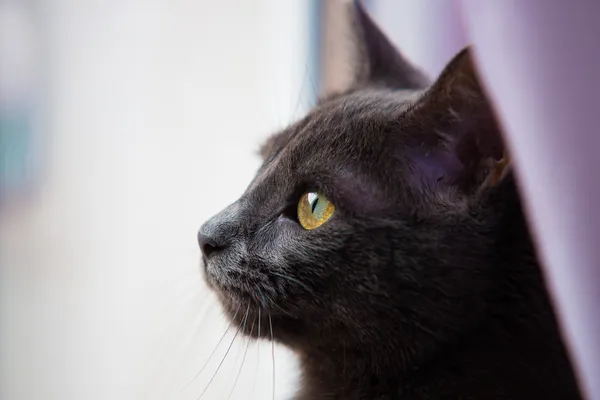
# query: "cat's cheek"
[[288, 224], [288, 233]]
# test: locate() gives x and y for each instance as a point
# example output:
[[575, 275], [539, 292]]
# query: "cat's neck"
[[495, 361]]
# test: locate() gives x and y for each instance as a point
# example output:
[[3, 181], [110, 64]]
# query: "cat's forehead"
[[343, 121], [341, 147], [358, 108]]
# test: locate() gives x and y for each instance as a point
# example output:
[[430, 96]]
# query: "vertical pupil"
[[314, 205]]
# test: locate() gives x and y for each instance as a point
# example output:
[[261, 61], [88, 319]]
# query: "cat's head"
[[367, 222]]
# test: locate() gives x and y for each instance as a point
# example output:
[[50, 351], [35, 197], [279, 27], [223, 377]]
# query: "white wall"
[[151, 114]]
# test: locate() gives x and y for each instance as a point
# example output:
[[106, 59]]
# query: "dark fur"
[[424, 284]]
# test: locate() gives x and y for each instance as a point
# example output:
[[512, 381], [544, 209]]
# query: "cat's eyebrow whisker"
[[213, 352], [292, 280], [226, 353], [243, 359], [272, 353], [312, 82], [305, 77]]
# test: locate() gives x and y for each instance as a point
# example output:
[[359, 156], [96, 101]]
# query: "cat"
[[383, 240]]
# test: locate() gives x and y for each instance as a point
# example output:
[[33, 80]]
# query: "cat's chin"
[[254, 319]]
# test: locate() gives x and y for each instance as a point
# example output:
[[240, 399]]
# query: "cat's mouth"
[[248, 304], [236, 285]]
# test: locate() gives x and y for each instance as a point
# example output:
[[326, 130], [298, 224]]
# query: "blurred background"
[[124, 124]]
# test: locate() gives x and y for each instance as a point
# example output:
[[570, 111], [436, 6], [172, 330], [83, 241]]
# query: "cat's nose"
[[207, 244], [214, 237], [219, 233]]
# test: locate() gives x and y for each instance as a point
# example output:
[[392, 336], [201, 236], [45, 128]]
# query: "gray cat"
[[384, 241]]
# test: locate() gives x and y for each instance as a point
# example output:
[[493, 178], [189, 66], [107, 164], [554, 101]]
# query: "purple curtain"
[[541, 64]]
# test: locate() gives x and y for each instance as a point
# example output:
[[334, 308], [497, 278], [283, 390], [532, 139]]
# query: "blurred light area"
[[19, 90], [146, 115], [428, 32]]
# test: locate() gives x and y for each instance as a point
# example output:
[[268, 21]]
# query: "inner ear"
[[459, 141]]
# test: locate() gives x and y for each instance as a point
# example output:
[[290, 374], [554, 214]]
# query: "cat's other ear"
[[458, 141], [368, 57]]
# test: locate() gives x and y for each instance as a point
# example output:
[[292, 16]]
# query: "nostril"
[[208, 248], [207, 245]]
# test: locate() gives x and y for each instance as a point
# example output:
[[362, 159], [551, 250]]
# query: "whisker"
[[272, 353], [187, 323], [292, 279], [271, 302], [275, 305], [245, 320], [300, 92], [257, 354], [213, 352], [312, 82], [225, 356], [243, 359], [262, 296]]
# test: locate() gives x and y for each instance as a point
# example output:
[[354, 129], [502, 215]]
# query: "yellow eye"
[[314, 210]]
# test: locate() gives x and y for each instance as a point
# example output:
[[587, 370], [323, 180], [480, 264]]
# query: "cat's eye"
[[314, 210]]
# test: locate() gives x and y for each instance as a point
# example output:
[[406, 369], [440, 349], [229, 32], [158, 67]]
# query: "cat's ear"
[[371, 58], [377, 61], [459, 142]]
